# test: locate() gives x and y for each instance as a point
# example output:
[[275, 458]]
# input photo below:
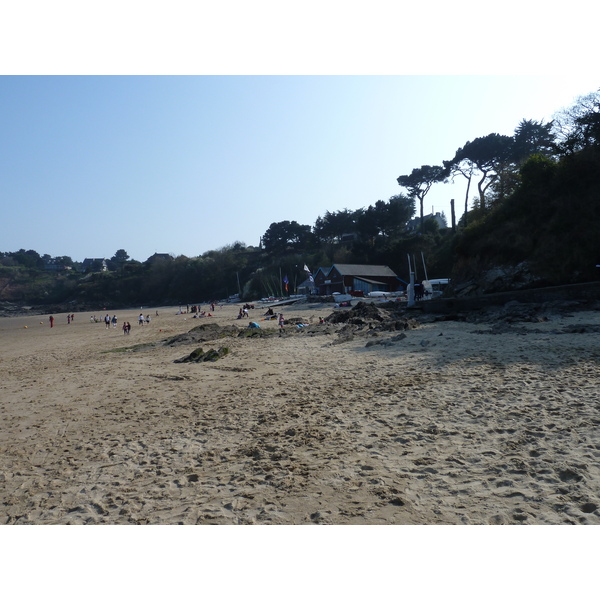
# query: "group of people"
[[197, 308], [70, 318], [420, 291], [244, 311], [108, 321], [269, 316]]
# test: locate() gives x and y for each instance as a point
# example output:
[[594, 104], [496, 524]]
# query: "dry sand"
[[456, 423]]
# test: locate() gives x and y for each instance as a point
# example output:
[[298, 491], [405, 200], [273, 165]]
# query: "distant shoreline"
[[587, 295]]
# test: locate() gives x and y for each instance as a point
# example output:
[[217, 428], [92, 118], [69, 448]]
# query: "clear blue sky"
[[267, 112], [186, 164]]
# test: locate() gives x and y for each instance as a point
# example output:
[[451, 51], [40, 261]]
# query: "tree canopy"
[[333, 225], [420, 180], [286, 236], [532, 137], [578, 126], [489, 155], [120, 256]]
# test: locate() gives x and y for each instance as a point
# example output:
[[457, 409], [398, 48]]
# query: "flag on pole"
[[286, 282], [310, 277]]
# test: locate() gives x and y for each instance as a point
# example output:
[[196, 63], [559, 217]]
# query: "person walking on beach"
[[281, 324], [124, 328], [114, 321], [107, 321], [68, 319], [51, 319], [141, 319]]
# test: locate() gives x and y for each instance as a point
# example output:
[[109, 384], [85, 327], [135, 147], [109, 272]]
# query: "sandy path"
[[453, 424]]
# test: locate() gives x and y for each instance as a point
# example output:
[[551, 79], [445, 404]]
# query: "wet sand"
[[456, 423]]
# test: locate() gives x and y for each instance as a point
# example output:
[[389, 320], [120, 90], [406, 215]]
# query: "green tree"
[[287, 236], [66, 261], [399, 211], [533, 137], [28, 258], [369, 224], [118, 260], [385, 219], [419, 182], [530, 138], [120, 256], [578, 126], [333, 225], [489, 155], [466, 168]]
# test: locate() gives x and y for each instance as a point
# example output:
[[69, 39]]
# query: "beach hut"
[[345, 279]]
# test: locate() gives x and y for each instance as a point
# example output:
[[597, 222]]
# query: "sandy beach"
[[442, 422]]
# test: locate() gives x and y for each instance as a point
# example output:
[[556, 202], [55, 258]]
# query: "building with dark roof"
[[346, 279]]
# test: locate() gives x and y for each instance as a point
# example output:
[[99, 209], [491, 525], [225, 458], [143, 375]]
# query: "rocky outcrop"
[[577, 296], [498, 279], [199, 355]]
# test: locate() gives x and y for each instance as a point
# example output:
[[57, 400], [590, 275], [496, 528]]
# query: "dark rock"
[[362, 313], [252, 332], [498, 279], [199, 355], [203, 333]]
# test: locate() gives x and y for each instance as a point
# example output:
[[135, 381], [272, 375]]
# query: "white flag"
[[306, 269]]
